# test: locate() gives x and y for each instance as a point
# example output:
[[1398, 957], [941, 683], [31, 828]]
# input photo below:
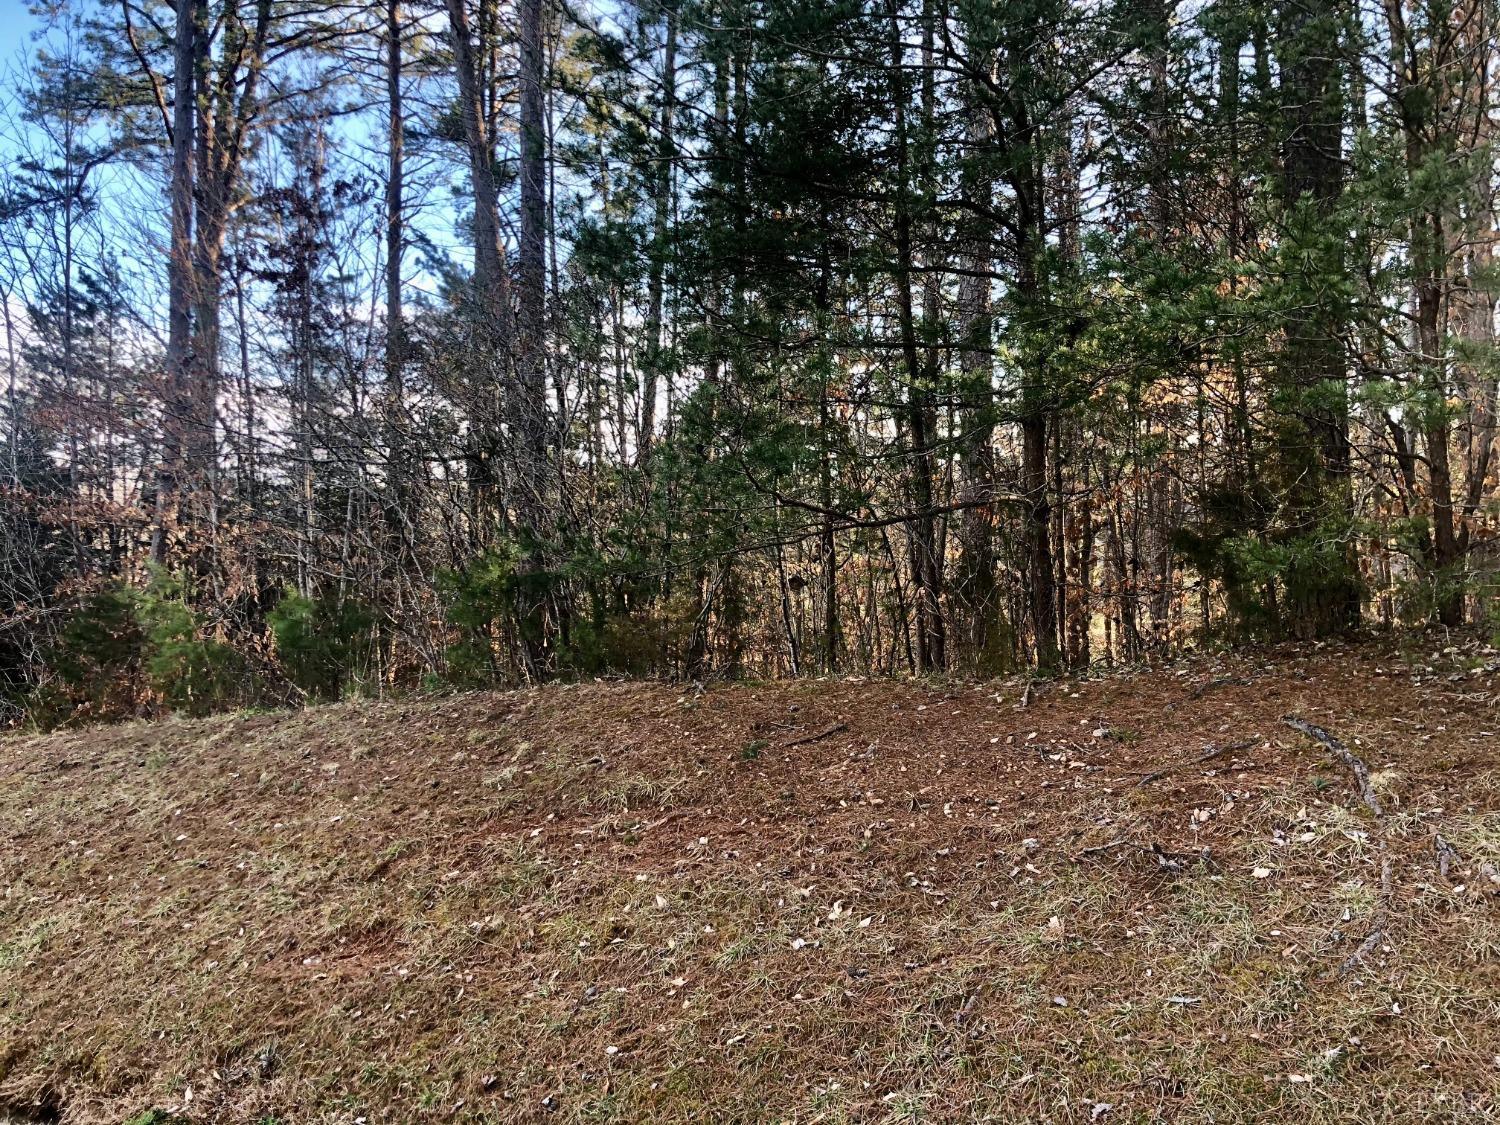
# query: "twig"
[[806, 738], [1208, 755], [1170, 861], [1211, 751], [1026, 694], [1111, 846], [1353, 761], [1176, 861]]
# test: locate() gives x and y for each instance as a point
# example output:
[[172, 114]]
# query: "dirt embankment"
[[1134, 897]]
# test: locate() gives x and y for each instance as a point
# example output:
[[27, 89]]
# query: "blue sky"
[[16, 25]]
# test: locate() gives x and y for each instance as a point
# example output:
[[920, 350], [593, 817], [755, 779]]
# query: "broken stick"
[[1378, 924], [1354, 763], [1447, 855], [806, 738]]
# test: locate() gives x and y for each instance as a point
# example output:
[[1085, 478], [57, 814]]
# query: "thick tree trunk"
[[491, 385], [1322, 591], [491, 284]]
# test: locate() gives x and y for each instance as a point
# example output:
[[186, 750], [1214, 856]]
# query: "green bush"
[[187, 671], [320, 641], [97, 661], [480, 606], [124, 650]]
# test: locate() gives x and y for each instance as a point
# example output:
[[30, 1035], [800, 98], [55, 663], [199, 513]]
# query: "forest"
[[801, 561], [366, 345]]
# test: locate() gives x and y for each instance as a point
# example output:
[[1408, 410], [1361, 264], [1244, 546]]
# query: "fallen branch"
[[1361, 773], [1377, 925], [806, 738], [1356, 764]]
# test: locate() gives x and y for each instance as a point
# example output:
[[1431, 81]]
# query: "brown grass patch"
[[623, 902]]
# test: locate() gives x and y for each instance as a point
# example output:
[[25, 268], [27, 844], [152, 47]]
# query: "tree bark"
[[180, 287], [533, 471], [652, 360], [1322, 591], [921, 528], [398, 468]]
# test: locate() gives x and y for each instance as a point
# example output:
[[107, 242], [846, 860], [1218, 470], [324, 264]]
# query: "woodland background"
[[359, 346]]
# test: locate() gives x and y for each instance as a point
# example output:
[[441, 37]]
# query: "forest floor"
[[1134, 897]]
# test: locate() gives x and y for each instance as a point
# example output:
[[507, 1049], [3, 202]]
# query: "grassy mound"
[[1122, 899]]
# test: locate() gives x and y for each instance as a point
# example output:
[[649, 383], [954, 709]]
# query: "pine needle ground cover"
[[1134, 897]]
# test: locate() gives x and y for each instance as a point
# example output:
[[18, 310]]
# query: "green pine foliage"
[[322, 642]]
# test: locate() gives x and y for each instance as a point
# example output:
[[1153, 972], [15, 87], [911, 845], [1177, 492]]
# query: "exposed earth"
[[1136, 897]]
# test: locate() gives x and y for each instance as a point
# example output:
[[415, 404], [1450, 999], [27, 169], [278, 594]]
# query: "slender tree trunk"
[[922, 530], [180, 286], [827, 545], [652, 367], [397, 468], [533, 471], [1478, 329], [1036, 412], [1038, 521], [989, 647]]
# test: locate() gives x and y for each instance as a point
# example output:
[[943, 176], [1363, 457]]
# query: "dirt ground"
[[1135, 897]]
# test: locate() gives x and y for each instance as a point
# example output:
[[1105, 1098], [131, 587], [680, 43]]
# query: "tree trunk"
[[1322, 592], [921, 526], [397, 467], [180, 287], [989, 646], [490, 282], [533, 472], [652, 365]]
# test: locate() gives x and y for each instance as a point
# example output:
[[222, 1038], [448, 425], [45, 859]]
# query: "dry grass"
[[623, 903]]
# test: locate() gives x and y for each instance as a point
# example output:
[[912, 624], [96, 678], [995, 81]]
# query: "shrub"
[[320, 641], [97, 661], [122, 649], [187, 671], [480, 606]]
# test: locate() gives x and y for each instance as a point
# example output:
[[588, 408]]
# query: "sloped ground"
[[1129, 899]]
